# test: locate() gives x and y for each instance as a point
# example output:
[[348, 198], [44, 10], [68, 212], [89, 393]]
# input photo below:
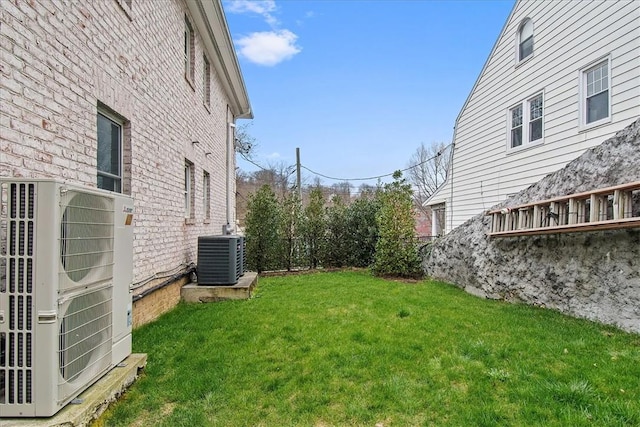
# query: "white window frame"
[[120, 123], [206, 194], [188, 189], [206, 81], [519, 40], [189, 48], [525, 105], [582, 108], [512, 126]]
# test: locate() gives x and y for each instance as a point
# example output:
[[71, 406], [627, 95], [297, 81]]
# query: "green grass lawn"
[[347, 349]]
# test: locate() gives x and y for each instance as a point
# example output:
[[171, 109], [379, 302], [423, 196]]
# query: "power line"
[[257, 165], [378, 176]]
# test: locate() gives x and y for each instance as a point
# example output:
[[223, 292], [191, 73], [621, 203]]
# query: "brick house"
[[132, 96]]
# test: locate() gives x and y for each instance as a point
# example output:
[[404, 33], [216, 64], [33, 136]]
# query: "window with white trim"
[[595, 93], [189, 48], [206, 194], [516, 126], [525, 39], [526, 122], [109, 161], [206, 81], [535, 118], [188, 190]]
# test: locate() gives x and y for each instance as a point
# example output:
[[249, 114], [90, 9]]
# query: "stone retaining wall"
[[594, 275]]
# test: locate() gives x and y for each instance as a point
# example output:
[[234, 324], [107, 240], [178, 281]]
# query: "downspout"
[[453, 148], [229, 227]]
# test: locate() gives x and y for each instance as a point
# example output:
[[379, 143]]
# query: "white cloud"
[[274, 155], [270, 47], [260, 7]]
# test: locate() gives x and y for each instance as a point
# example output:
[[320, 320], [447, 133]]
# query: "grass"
[[347, 349]]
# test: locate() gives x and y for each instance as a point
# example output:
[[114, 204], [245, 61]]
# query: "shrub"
[[262, 230], [313, 227], [397, 248]]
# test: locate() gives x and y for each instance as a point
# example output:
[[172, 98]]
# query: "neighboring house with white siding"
[[562, 77], [132, 96]]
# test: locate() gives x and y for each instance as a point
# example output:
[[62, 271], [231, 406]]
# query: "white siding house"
[[562, 77]]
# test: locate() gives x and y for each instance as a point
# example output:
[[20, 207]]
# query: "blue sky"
[[358, 85]]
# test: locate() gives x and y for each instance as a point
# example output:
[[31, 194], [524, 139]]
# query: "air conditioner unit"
[[220, 260], [243, 255], [65, 305]]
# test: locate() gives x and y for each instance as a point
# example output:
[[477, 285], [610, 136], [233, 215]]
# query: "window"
[[526, 122], [525, 40], [206, 195], [535, 118], [206, 81], [595, 93], [188, 189], [438, 219], [189, 42], [516, 126], [109, 162]]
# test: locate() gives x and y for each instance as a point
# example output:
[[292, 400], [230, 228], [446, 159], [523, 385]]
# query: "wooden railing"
[[603, 209]]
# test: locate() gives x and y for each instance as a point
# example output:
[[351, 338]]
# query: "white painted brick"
[[61, 58]]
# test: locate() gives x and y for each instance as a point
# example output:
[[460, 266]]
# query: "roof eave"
[[486, 62], [212, 25]]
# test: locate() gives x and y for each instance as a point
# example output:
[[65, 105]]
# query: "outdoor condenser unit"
[[65, 307], [220, 260], [243, 254]]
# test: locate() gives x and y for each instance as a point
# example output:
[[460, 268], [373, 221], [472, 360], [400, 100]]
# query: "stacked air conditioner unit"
[[65, 304]]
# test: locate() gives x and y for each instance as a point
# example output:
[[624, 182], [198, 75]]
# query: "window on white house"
[[188, 189], [525, 39], [596, 92], [526, 122], [437, 219], [516, 126], [109, 162], [206, 81], [189, 42], [535, 118], [206, 194]]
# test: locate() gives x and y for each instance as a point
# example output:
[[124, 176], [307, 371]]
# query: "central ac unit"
[[65, 306], [220, 259]]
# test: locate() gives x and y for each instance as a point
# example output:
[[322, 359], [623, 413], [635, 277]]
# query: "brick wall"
[[152, 306], [61, 60]]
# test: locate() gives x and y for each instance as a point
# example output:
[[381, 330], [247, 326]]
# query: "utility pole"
[[298, 183]]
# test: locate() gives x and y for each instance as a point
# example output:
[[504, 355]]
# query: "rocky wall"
[[594, 275]]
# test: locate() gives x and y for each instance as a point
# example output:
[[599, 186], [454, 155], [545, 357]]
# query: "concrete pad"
[[93, 401], [241, 290]]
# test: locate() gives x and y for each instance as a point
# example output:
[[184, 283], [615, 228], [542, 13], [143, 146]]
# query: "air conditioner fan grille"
[[86, 238]]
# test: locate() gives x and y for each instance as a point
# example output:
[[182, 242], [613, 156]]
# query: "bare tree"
[[367, 190], [245, 144], [284, 177], [429, 165], [342, 190], [278, 176]]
